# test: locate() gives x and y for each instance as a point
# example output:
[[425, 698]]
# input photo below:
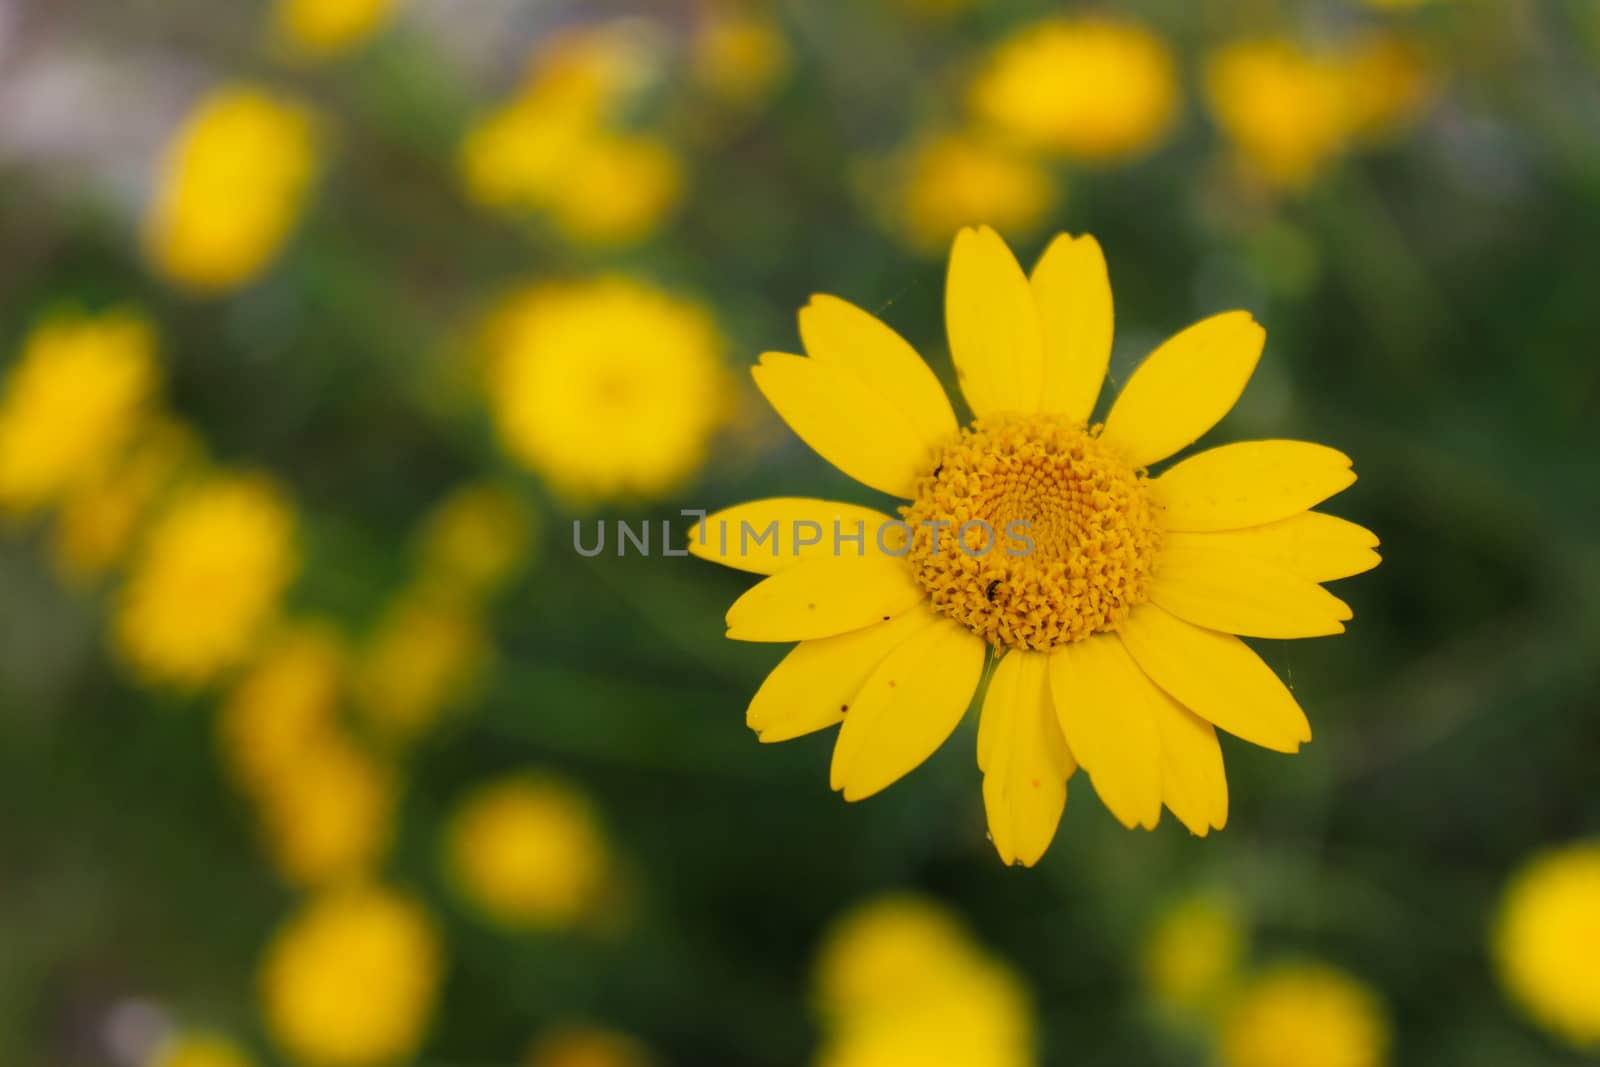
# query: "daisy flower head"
[[1034, 548]]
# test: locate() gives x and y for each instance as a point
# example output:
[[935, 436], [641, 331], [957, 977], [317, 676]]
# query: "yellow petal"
[[1072, 292], [842, 335], [1249, 483], [1184, 387], [1243, 594], [1216, 676], [906, 709], [1313, 545], [824, 597], [767, 536], [849, 425], [1023, 757], [814, 685], [1107, 712], [993, 327], [1193, 783]]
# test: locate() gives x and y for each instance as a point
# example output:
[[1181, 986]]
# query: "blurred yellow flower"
[[1304, 1015], [589, 1047], [350, 980], [1095, 88], [528, 852], [428, 652], [1286, 111], [193, 1048], [325, 806], [73, 398], [330, 817], [1389, 85], [323, 28], [285, 704], [231, 187], [99, 520], [1192, 954], [553, 146], [208, 578], [947, 180], [1546, 942], [982, 1018], [476, 539], [597, 68], [516, 157], [901, 984], [608, 388], [888, 950], [739, 54], [615, 189]]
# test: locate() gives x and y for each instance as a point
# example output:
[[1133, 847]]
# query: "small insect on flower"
[[1114, 646]]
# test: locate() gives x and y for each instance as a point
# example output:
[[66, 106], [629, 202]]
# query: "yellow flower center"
[[1032, 533]]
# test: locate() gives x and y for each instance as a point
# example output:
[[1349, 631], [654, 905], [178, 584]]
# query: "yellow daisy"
[[1101, 602]]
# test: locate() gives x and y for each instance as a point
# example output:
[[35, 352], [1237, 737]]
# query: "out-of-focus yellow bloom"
[[1191, 955], [528, 852], [739, 55], [516, 156], [608, 388], [428, 651], [283, 706], [982, 1017], [326, 806], [1389, 86], [73, 398], [99, 520], [1290, 111], [1547, 942], [949, 180], [323, 28], [901, 984], [350, 980], [1286, 111], [530, 151], [1097, 89], [887, 950], [476, 539], [1304, 1015], [596, 68], [198, 1049], [232, 185], [616, 189], [589, 1047], [208, 578], [330, 817]]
